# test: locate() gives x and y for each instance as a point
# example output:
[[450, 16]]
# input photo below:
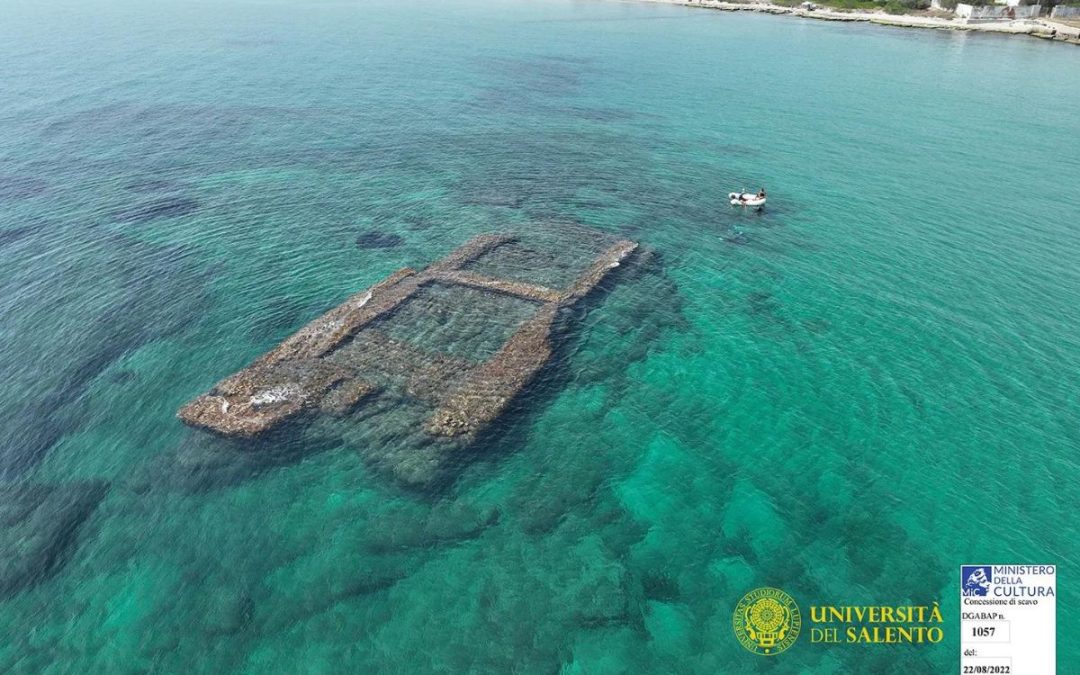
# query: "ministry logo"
[[975, 579]]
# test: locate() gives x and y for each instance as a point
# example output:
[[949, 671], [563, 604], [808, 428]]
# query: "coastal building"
[[1010, 12]]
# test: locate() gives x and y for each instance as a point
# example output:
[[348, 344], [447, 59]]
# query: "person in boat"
[[761, 193]]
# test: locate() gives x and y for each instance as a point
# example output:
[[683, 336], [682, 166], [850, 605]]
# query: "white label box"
[[1008, 619]]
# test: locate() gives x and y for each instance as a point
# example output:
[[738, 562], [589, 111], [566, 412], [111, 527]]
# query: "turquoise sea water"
[[846, 396]]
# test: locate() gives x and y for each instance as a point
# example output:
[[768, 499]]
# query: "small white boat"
[[746, 199]]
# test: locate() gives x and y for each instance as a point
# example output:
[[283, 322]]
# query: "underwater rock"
[[545, 499], [737, 238], [227, 612], [603, 600], [308, 586], [446, 523], [202, 463], [346, 396], [38, 526], [376, 239], [659, 586], [817, 326], [166, 207]]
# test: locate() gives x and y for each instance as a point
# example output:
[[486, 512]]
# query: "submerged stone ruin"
[[454, 344]]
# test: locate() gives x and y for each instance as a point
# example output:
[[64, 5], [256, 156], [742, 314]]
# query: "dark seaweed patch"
[[761, 302], [660, 587], [20, 187], [122, 376], [166, 207], [277, 315], [917, 400], [202, 463], [151, 293], [543, 76], [374, 239], [544, 84], [154, 185], [38, 527], [29, 430], [11, 236]]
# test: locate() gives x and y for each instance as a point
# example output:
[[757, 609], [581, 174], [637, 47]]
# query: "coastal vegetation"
[[890, 6], [909, 6]]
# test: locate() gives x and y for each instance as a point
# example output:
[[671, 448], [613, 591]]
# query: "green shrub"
[[852, 4]]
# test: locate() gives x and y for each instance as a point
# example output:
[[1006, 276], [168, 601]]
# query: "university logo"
[[767, 621], [975, 579]]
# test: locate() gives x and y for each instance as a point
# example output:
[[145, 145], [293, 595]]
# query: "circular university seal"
[[766, 621]]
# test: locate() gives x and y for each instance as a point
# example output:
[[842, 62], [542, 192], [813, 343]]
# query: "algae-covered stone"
[[227, 612], [751, 517], [420, 527], [603, 599], [346, 395], [308, 585], [670, 628]]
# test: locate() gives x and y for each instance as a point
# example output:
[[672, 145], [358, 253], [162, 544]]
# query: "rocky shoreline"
[[1040, 28]]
